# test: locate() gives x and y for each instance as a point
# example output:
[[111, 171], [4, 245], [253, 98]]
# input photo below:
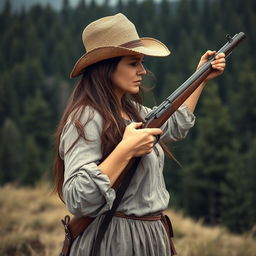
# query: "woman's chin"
[[135, 90]]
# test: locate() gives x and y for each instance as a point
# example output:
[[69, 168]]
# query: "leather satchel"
[[73, 228]]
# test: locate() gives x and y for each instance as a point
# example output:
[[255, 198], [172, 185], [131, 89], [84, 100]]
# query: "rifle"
[[155, 119]]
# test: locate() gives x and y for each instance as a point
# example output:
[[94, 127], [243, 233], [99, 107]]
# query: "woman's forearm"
[[192, 100], [115, 163], [218, 66]]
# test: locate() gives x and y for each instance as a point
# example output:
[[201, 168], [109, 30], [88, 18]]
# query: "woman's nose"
[[142, 70]]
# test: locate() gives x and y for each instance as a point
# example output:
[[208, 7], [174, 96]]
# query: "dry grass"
[[30, 225], [194, 239], [30, 221]]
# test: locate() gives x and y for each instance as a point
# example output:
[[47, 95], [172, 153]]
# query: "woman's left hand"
[[218, 64]]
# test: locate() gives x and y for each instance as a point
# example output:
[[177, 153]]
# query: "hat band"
[[132, 44]]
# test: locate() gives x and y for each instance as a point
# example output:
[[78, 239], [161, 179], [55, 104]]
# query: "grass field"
[[30, 225]]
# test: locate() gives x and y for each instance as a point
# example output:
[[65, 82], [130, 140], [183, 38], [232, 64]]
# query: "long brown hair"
[[95, 89]]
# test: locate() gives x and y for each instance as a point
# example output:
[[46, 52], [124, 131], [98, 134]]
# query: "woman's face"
[[128, 75]]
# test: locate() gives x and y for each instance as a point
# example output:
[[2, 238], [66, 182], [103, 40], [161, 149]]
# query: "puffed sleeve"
[[178, 125], [86, 190]]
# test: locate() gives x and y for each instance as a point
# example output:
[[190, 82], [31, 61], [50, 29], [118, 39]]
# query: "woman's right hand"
[[139, 141], [135, 142]]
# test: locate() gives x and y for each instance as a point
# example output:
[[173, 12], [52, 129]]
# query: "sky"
[[17, 4]]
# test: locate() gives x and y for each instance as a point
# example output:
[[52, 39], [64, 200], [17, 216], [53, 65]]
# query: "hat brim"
[[151, 47]]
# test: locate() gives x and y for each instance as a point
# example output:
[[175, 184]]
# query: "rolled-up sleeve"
[[86, 190], [177, 126]]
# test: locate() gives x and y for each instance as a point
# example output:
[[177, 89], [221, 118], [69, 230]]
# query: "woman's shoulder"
[[84, 122], [83, 118], [86, 118], [85, 115]]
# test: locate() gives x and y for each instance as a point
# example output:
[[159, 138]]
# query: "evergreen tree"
[[166, 22], [184, 17], [239, 193], [24, 79], [62, 64], [33, 43], [132, 13], [120, 6], [5, 16], [211, 156], [66, 12], [146, 9], [36, 123], [11, 159], [33, 165], [243, 99], [9, 106]]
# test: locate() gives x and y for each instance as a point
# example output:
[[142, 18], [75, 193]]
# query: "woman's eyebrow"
[[137, 58]]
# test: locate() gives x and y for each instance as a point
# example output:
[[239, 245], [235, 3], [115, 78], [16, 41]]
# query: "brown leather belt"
[[163, 218]]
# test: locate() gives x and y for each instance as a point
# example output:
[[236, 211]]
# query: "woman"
[[100, 132]]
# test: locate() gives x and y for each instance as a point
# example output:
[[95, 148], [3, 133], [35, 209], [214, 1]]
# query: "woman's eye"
[[134, 64]]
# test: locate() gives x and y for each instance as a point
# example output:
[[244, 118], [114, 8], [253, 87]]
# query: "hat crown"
[[109, 31], [114, 36]]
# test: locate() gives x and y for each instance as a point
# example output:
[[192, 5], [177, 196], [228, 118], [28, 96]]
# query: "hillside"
[[30, 225]]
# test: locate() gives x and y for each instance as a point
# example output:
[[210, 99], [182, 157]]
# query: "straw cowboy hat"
[[114, 36]]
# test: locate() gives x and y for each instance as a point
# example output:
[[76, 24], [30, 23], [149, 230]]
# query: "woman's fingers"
[[140, 141], [220, 55], [220, 62], [135, 125], [153, 131], [208, 54], [146, 131], [205, 58]]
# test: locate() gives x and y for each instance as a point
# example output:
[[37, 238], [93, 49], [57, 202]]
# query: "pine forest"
[[39, 46]]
